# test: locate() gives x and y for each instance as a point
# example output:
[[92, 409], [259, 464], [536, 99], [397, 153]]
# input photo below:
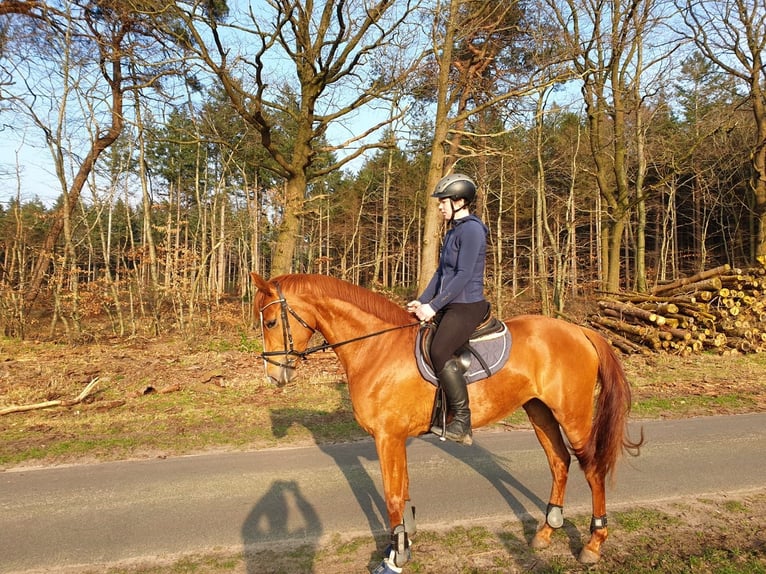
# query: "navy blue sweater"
[[460, 276]]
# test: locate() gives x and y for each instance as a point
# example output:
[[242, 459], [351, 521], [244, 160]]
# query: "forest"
[[618, 146]]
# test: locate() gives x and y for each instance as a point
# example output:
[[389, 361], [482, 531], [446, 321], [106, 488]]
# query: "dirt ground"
[[32, 372], [159, 397]]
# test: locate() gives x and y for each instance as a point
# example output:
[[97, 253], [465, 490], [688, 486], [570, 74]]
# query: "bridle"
[[289, 349], [287, 336]]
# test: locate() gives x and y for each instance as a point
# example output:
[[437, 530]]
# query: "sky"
[[26, 167], [25, 170]]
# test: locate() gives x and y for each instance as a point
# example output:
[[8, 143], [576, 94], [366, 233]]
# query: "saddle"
[[484, 354]]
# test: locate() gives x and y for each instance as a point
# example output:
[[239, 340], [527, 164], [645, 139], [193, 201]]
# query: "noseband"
[[287, 336]]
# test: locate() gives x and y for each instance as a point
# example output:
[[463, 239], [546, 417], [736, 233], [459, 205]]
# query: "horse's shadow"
[[372, 504], [351, 464], [494, 469]]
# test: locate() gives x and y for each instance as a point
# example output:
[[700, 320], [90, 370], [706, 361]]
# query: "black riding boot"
[[453, 382]]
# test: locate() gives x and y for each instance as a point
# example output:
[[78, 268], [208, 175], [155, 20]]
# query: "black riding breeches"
[[458, 321]]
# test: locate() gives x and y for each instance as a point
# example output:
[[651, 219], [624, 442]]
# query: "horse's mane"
[[364, 299]]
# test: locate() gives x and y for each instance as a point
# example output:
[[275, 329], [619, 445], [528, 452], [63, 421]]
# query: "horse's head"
[[285, 332]]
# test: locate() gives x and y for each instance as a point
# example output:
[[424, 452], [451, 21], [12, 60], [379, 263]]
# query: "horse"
[[554, 371]]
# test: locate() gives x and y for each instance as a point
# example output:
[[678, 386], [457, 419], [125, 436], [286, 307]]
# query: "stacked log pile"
[[721, 309]]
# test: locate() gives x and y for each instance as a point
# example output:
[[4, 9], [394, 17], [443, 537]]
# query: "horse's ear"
[[260, 283]]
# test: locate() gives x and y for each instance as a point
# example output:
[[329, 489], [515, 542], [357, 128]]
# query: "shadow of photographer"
[[350, 463], [282, 514]]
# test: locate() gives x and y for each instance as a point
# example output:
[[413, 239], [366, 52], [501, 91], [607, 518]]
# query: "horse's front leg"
[[392, 454]]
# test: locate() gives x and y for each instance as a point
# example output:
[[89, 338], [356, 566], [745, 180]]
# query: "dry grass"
[[169, 396]]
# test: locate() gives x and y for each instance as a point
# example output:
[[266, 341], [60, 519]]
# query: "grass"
[[223, 403], [642, 541], [654, 407], [635, 520]]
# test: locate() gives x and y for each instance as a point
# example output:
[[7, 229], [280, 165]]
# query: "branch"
[[31, 8], [58, 403]]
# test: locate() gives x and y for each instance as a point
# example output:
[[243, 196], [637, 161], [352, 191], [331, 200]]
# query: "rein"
[[287, 336], [324, 346]]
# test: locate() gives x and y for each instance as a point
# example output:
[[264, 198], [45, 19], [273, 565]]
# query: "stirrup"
[[438, 430]]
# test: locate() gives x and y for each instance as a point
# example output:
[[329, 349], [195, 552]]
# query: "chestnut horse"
[[552, 372]]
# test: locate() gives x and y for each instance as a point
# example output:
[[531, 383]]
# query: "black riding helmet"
[[455, 186]]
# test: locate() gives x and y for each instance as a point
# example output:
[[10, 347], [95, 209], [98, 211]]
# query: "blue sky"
[[33, 163]]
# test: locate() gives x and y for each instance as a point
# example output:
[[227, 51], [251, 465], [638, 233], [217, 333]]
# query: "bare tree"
[[31, 8], [343, 56], [106, 35], [732, 35], [481, 56], [605, 41]]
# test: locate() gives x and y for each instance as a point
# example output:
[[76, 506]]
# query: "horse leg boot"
[[454, 384]]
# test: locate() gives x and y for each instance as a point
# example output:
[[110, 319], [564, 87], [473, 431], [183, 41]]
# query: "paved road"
[[110, 512]]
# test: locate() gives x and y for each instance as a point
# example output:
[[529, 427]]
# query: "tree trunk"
[[541, 225], [287, 234], [432, 220]]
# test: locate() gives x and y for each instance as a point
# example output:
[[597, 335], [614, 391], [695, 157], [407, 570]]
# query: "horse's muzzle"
[[281, 374]]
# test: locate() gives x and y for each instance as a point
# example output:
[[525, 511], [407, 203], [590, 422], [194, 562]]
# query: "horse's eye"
[[270, 324]]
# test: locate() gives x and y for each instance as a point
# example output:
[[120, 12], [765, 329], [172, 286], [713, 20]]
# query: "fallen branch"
[[47, 404]]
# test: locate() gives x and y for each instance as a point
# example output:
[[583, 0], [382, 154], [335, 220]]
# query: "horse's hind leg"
[[596, 477], [591, 552], [549, 434]]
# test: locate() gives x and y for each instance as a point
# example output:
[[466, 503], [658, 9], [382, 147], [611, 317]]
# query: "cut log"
[[722, 308], [703, 286], [685, 281], [633, 311]]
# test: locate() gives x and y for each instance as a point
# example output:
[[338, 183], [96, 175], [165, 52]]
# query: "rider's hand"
[[425, 312], [413, 306]]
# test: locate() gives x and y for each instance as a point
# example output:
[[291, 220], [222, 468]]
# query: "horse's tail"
[[608, 437]]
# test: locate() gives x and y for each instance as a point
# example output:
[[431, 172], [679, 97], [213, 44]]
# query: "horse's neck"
[[358, 335]]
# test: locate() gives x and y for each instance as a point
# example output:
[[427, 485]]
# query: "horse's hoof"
[[587, 556], [540, 542], [386, 568]]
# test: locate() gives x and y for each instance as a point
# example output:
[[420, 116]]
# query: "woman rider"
[[455, 295]]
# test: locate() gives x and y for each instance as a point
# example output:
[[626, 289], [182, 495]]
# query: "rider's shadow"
[[280, 514], [494, 469]]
